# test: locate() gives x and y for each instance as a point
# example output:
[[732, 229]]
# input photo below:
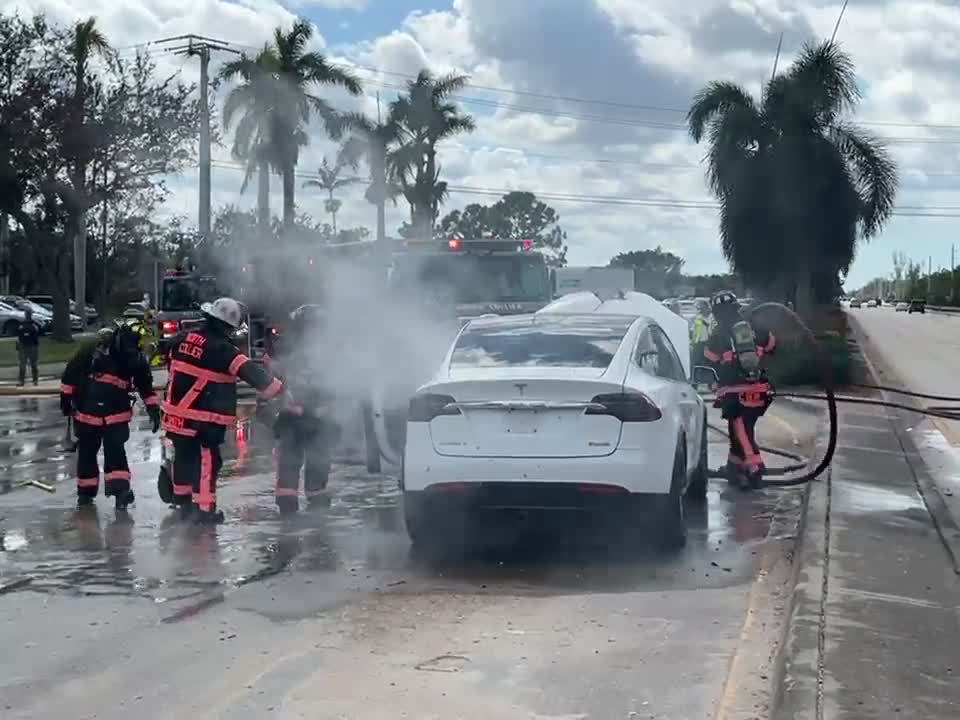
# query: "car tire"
[[671, 524], [420, 531], [371, 446], [697, 490]]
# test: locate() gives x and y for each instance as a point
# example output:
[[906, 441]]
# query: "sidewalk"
[[875, 627], [48, 371]]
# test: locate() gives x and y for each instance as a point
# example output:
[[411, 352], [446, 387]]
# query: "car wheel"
[[372, 447], [426, 533], [10, 328], [672, 526], [697, 490]]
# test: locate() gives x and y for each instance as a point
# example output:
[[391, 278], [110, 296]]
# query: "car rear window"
[[541, 342]]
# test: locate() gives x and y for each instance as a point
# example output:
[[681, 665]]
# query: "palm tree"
[[426, 117], [796, 182], [331, 181], [297, 72], [376, 142], [86, 41], [255, 101]]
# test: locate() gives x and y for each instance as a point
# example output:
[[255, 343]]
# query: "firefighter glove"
[[154, 412]]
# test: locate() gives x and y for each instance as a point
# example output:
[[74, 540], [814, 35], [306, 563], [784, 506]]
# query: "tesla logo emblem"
[[520, 387]]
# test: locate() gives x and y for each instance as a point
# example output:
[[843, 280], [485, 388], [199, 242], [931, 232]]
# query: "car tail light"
[[627, 407], [169, 327], [424, 408]]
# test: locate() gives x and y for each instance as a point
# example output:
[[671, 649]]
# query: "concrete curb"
[[798, 667]]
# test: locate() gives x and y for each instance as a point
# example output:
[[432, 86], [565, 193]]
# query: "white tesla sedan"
[[578, 411]]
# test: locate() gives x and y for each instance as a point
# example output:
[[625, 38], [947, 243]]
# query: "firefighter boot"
[[208, 517], [318, 501], [165, 486], [288, 505], [737, 475], [124, 499], [84, 500]]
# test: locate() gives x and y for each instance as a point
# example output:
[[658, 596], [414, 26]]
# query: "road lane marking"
[[882, 451], [886, 597]]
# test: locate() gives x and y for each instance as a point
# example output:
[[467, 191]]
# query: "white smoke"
[[376, 339]]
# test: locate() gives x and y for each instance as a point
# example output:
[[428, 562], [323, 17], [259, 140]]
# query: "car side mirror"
[[703, 375]]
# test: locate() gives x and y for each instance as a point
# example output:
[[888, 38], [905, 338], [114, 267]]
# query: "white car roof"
[[635, 304]]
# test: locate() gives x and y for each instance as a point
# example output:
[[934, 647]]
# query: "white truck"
[[605, 282]]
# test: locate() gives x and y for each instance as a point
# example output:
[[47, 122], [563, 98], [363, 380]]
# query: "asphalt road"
[[922, 350], [332, 616]]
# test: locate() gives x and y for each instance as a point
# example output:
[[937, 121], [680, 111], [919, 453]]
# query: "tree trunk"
[[79, 264], [333, 215], [61, 300], [381, 222], [263, 197], [288, 197], [804, 292]]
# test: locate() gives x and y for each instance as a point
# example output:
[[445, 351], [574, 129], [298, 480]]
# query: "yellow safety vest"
[[698, 330]]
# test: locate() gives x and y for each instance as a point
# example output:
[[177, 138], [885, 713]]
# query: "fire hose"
[[783, 476], [775, 475]]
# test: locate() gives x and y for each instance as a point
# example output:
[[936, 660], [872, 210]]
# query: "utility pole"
[[5, 252], [203, 51], [200, 46], [929, 274]]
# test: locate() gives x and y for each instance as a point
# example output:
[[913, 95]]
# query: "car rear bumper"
[[635, 471], [529, 498]]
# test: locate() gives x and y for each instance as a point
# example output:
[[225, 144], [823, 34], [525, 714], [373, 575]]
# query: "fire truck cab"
[[467, 278], [182, 292], [474, 276]]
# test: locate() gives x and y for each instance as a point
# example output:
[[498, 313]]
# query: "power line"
[[236, 47], [946, 211], [839, 18], [631, 122], [623, 105]]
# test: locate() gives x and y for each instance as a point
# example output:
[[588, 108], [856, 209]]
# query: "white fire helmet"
[[224, 309]]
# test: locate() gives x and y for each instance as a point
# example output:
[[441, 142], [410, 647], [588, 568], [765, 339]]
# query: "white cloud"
[[641, 63]]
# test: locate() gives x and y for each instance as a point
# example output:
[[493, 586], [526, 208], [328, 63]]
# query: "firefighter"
[[735, 349], [201, 402], [305, 432], [95, 389]]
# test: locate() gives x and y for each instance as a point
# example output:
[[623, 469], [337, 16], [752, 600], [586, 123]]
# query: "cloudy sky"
[[583, 101]]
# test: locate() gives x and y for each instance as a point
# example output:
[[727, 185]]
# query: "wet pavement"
[[94, 602]]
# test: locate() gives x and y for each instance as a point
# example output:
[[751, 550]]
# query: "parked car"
[[46, 301], [41, 314], [10, 319], [917, 305], [856, 303], [871, 303], [902, 307], [589, 411]]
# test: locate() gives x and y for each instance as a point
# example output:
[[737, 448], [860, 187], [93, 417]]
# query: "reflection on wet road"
[[356, 545]]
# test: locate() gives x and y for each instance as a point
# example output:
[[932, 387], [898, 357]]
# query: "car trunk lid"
[[525, 413]]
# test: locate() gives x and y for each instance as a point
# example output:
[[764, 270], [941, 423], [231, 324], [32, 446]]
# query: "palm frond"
[[716, 99], [875, 172], [823, 79], [448, 84], [313, 67]]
